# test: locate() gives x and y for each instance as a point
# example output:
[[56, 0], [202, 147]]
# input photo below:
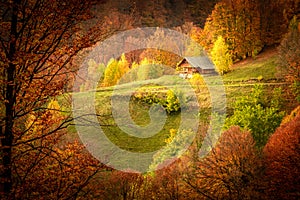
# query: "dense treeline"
[[269, 19], [247, 27]]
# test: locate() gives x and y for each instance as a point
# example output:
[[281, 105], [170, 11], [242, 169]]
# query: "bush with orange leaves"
[[122, 185], [282, 158], [167, 183], [232, 169]]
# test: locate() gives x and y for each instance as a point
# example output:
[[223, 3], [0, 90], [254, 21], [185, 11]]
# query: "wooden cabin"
[[191, 65]]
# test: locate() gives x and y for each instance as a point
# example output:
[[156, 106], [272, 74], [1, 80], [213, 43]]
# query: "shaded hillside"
[[167, 13]]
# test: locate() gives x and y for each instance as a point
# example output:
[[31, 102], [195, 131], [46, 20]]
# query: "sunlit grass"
[[261, 70], [236, 84]]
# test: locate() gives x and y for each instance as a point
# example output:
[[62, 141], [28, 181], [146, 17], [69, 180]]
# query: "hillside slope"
[[263, 68]]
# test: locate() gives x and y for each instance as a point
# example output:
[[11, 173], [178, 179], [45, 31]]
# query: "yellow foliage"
[[172, 135], [40, 123], [220, 56], [54, 109], [197, 82], [115, 70], [146, 61], [134, 65]]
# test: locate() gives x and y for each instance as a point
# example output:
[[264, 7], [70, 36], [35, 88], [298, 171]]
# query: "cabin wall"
[[187, 70]]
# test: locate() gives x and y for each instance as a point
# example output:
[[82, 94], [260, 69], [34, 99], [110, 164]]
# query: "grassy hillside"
[[239, 82], [263, 68]]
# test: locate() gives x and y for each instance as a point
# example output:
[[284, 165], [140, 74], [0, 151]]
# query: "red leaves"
[[282, 158]]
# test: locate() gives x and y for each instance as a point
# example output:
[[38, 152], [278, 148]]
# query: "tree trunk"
[[10, 100]]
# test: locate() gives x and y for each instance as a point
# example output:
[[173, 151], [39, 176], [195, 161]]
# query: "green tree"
[[251, 112], [221, 56]]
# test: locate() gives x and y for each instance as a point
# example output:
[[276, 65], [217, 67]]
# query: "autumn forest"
[[132, 99]]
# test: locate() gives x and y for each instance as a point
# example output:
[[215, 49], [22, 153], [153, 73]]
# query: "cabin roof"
[[202, 62]]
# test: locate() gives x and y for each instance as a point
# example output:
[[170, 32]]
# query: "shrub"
[[172, 103], [170, 100], [197, 82], [252, 113]]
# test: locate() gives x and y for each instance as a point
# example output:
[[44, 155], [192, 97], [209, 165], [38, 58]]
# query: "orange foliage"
[[167, 182], [290, 53], [238, 22], [122, 185], [230, 171], [291, 116], [39, 41], [282, 158], [47, 164]]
